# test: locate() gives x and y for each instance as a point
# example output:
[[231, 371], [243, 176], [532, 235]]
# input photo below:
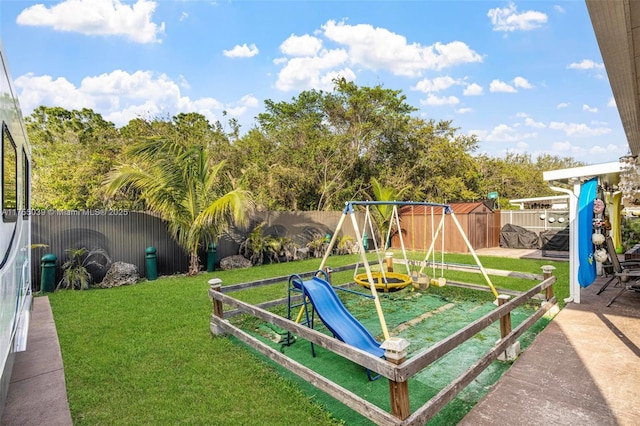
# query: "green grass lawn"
[[143, 354]]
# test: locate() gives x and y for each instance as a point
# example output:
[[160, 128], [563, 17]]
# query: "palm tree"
[[180, 180], [382, 212]]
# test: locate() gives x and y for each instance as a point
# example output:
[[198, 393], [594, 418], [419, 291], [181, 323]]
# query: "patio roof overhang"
[[616, 24]]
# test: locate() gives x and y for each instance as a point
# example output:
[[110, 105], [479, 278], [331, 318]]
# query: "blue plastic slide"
[[337, 319]]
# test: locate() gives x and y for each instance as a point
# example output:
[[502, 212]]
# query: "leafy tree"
[[177, 176], [518, 175], [324, 145], [71, 152]]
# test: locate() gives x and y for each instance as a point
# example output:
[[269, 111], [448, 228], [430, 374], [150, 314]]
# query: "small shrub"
[[75, 275]]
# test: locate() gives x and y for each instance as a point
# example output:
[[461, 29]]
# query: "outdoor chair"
[[610, 270], [625, 273]]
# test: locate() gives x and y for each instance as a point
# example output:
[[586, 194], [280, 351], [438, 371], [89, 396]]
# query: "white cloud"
[[586, 64], [305, 45], [530, 122], [464, 110], [558, 8], [184, 83], [579, 129], [97, 17], [435, 85], [120, 96], [308, 72], [184, 16], [522, 83], [380, 49], [612, 102], [607, 150], [473, 90], [501, 86], [309, 63], [586, 107], [433, 100], [243, 51], [567, 149], [246, 102], [562, 105], [326, 80], [44, 90], [503, 133], [508, 19]]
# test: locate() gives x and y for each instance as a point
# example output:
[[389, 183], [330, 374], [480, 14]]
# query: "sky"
[[524, 77]]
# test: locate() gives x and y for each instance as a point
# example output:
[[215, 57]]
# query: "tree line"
[[311, 153]]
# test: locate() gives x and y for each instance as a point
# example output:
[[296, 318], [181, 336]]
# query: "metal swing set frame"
[[349, 211]]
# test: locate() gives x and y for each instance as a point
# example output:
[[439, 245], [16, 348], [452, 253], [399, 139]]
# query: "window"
[[9, 177], [24, 204]]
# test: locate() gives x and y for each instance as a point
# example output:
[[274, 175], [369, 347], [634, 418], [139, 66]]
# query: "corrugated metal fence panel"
[[536, 220], [126, 235], [301, 227], [123, 236]]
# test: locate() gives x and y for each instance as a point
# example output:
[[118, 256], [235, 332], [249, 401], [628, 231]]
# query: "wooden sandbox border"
[[396, 368]]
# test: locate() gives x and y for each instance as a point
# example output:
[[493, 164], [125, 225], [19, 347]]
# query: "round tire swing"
[[389, 280]]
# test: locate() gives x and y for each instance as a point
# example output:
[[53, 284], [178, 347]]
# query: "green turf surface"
[[450, 313]]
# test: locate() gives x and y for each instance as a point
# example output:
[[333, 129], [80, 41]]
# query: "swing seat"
[[440, 282], [394, 280]]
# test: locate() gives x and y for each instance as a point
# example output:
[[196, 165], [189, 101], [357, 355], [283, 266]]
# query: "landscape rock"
[[234, 262], [301, 253], [120, 274]]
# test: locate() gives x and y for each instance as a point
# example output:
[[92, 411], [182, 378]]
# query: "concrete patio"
[[583, 369]]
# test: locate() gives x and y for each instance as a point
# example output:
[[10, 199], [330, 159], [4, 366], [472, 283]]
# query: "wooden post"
[[389, 259], [512, 351], [329, 271], [396, 352], [547, 271], [505, 320], [215, 284]]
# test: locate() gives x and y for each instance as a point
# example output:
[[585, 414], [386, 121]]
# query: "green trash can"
[[211, 257], [152, 263], [365, 241], [48, 273]]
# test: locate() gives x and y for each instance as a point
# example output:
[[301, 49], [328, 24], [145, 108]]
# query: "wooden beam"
[[446, 395], [343, 395], [275, 280], [472, 269], [429, 355], [352, 353]]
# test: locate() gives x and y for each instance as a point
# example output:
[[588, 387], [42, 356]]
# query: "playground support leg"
[[216, 285]]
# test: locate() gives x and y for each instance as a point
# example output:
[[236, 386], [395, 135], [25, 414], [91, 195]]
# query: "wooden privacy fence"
[[396, 368]]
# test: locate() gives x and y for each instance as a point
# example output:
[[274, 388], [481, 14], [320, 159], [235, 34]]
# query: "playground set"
[[312, 293]]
